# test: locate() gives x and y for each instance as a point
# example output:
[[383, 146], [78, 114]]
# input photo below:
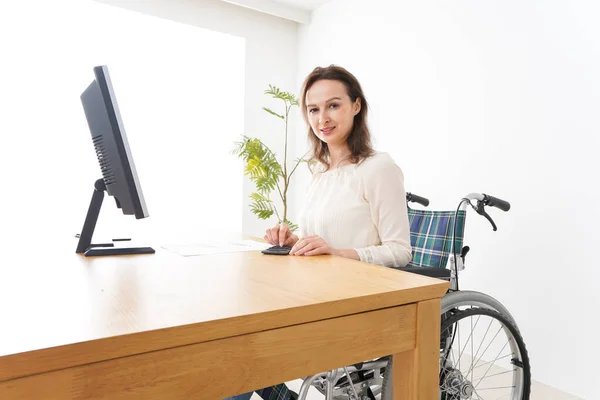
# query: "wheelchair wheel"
[[468, 298], [482, 356]]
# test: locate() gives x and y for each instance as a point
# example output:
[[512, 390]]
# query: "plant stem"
[[280, 194], [296, 166], [285, 176]]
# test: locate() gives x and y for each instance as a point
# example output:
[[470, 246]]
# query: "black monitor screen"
[[110, 141], [119, 176]]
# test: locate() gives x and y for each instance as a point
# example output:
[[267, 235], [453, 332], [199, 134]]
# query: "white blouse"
[[363, 207]]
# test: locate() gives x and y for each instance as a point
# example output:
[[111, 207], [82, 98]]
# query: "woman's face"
[[330, 111]]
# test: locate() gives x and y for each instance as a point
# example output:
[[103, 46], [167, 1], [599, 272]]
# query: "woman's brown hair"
[[359, 139]]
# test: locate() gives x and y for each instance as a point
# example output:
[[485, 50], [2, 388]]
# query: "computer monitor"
[[119, 176]]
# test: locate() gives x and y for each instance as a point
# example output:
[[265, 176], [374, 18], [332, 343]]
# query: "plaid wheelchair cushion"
[[431, 234]]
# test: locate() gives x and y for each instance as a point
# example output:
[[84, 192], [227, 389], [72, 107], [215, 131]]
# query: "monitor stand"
[[85, 245]]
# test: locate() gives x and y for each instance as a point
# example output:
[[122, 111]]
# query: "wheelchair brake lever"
[[481, 211]]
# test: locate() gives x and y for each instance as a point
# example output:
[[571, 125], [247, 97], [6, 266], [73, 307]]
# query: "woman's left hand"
[[311, 246]]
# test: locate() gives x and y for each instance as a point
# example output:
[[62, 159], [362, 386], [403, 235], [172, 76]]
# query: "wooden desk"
[[164, 326]]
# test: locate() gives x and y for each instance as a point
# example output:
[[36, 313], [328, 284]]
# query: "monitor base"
[[113, 251], [85, 246]]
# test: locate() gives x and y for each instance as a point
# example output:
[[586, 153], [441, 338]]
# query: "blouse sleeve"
[[385, 193]]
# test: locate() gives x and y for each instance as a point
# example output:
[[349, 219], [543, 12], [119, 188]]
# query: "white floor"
[[539, 391]]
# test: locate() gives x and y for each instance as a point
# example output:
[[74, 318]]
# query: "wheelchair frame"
[[328, 383]]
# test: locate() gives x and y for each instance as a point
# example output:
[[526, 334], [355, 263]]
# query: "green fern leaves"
[[262, 167], [261, 206], [264, 170], [285, 96]]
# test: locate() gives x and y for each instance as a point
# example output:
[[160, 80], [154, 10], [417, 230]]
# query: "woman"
[[355, 205]]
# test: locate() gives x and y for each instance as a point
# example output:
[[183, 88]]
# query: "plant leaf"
[[259, 197], [263, 210], [293, 227], [261, 166], [265, 184], [275, 92], [254, 168], [273, 113]]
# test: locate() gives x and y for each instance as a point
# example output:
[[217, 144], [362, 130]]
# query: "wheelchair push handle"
[[413, 198], [496, 202], [484, 200]]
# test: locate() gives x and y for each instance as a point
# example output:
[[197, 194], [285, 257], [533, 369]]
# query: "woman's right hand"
[[280, 235]]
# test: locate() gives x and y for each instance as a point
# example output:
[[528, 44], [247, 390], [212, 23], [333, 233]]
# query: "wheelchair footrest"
[[442, 273]]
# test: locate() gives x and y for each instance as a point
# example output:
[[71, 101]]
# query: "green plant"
[[263, 168]]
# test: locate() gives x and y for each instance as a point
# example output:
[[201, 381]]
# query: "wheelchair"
[[482, 353]]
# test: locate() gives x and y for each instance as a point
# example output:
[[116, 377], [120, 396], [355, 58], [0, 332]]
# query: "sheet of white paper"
[[205, 248]]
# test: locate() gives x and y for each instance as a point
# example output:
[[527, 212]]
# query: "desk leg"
[[415, 372]]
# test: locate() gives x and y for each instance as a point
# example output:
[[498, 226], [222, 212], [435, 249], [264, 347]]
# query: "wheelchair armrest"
[[442, 273]]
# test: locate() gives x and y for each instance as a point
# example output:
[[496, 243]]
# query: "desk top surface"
[[60, 309]]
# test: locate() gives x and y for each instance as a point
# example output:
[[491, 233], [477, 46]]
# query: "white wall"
[[48, 159], [500, 97], [271, 51]]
